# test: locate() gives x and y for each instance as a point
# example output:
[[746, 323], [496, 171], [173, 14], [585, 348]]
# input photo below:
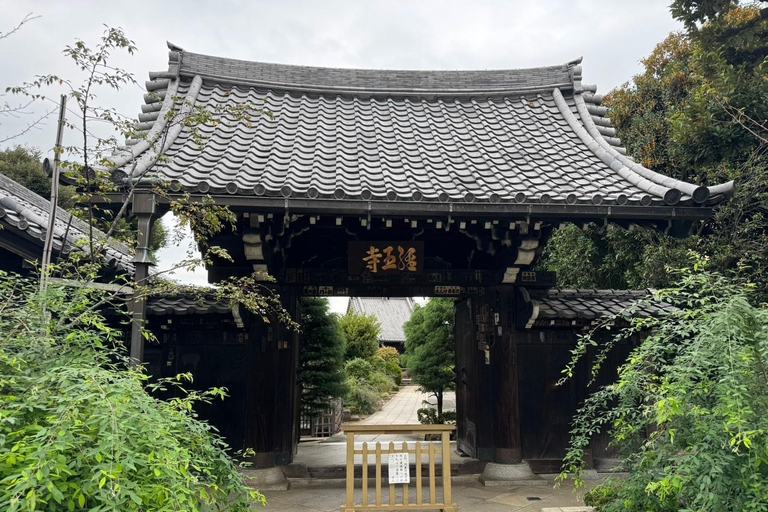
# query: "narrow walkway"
[[401, 409]]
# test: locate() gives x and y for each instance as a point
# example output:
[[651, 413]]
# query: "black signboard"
[[385, 258]]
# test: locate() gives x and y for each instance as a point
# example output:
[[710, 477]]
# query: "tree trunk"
[[439, 396]]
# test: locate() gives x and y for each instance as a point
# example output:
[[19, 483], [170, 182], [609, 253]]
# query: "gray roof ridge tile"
[[608, 159], [698, 193], [143, 160], [372, 81]]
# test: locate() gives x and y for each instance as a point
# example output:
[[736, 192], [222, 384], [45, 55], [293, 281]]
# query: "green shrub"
[[362, 398], [378, 364], [78, 431], [362, 335], [602, 495], [430, 416], [688, 409], [394, 371], [359, 369], [382, 383], [389, 354]]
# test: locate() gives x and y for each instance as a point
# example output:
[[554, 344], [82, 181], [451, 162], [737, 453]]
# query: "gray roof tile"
[[555, 304], [386, 135], [186, 305], [27, 212], [391, 313]]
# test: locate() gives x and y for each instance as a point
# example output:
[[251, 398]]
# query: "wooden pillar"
[[144, 209], [286, 397], [271, 411], [504, 379], [506, 425]]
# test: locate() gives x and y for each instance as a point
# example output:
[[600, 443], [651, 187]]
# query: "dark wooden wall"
[[532, 361], [215, 352]]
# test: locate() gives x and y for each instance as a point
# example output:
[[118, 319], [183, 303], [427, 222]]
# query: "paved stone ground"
[[402, 408], [399, 410], [469, 494], [470, 497]]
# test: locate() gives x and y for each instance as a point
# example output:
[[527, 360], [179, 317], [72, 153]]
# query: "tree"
[[613, 257], [24, 165], [696, 113], [362, 335], [79, 427], [689, 410], [321, 369], [429, 348]]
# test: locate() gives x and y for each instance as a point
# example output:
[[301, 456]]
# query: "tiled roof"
[[186, 305], [391, 313], [530, 136], [552, 307], [27, 213]]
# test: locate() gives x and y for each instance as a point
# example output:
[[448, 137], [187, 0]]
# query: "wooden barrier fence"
[[419, 450]]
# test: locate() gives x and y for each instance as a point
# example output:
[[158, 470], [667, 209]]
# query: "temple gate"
[[407, 183]]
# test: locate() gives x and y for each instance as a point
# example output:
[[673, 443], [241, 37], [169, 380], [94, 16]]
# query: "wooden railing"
[[419, 450]]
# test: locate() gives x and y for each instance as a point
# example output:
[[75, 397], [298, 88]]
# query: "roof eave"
[[427, 209]]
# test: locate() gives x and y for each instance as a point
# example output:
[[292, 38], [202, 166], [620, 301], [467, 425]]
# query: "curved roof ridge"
[[152, 153], [399, 82], [625, 172], [133, 151], [699, 193]]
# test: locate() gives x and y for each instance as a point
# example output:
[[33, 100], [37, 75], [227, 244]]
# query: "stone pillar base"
[[591, 474], [267, 479], [496, 474]]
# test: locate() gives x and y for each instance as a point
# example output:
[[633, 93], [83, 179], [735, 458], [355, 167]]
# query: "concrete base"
[[267, 479], [496, 474], [591, 474]]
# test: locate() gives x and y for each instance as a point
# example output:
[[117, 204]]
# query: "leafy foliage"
[[698, 112], [25, 166], [78, 429], [613, 257], [362, 334], [430, 416], [362, 398], [389, 354], [359, 368], [689, 410], [321, 368], [429, 347], [394, 371], [369, 382]]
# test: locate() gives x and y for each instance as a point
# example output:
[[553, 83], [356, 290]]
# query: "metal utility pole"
[[48, 246]]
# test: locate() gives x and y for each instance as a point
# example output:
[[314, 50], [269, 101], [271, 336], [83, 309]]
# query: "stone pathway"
[[470, 497], [469, 494], [402, 408]]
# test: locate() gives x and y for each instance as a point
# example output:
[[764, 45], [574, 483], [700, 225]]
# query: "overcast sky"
[[611, 35]]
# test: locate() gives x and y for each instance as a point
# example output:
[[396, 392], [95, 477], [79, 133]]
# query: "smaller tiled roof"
[[186, 305], [26, 213], [391, 313], [564, 307]]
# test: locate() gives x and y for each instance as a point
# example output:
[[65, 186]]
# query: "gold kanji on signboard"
[[372, 259], [406, 259]]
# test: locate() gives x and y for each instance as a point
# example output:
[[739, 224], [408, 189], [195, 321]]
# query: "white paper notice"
[[399, 469]]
